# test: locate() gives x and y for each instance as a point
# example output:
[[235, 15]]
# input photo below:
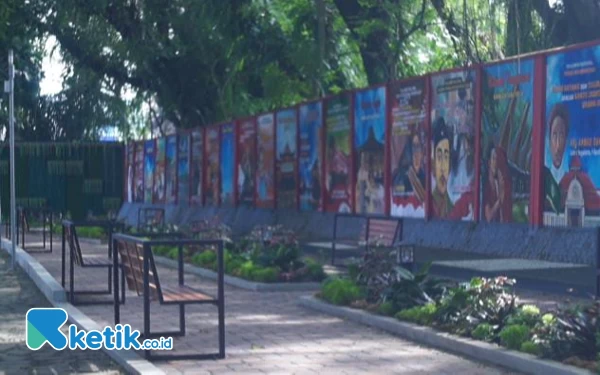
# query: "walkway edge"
[[237, 282], [130, 361], [477, 350]]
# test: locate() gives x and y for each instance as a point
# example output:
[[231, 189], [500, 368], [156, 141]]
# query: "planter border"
[[238, 282], [129, 361], [477, 350]]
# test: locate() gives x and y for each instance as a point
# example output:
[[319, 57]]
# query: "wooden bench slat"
[[183, 293]]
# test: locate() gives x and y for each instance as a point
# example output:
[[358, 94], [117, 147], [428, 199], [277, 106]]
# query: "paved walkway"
[[269, 333], [17, 295]]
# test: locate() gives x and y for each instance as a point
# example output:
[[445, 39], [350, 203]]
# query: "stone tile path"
[[269, 333], [17, 295]]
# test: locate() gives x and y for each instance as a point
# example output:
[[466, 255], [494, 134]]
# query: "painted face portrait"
[[442, 165], [558, 131], [417, 152], [493, 164]]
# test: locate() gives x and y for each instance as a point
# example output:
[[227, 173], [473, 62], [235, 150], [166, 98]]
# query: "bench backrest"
[[132, 261], [381, 231], [73, 243], [148, 216]]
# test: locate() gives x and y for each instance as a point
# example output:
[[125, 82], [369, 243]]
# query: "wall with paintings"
[[227, 161], [310, 156], [265, 172], [246, 162], [286, 158]]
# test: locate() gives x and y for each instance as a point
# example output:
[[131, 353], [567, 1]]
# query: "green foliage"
[[91, 232], [531, 348], [408, 290], [483, 332], [424, 315], [386, 308], [162, 250], [528, 315], [340, 291], [206, 259], [514, 336]]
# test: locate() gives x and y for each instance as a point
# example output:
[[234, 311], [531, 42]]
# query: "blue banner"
[[310, 163], [171, 173], [149, 164], [227, 164]]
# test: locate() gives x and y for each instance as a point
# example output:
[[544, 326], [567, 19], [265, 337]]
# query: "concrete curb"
[[130, 361], [477, 350], [240, 283]]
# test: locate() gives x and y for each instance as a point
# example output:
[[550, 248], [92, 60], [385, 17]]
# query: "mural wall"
[[171, 172], [227, 164], [197, 166], [265, 174], [149, 164], [212, 173], [287, 137], [183, 169], [246, 167], [310, 162], [138, 172], [338, 196]]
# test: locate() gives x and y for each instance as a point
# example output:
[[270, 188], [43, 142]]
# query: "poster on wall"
[[158, 195], [310, 158], [183, 169], [196, 165], [287, 138], [338, 155], [171, 173], [211, 175], [138, 173], [227, 164], [408, 148], [369, 150], [149, 163], [246, 162], [506, 141], [571, 173], [453, 145], [129, 170], [265, 181]]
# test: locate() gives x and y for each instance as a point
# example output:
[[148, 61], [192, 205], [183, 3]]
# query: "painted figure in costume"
[[442, 137], [263, 177], [413, 177], [338, 166], [494, 189], [316, 186], [558, 130]]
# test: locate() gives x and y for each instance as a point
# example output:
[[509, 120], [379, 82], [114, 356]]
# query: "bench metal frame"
[[147, 216], [23, 226], [150, 266]]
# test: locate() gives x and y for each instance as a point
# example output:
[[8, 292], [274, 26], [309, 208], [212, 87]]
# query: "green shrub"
[[387, 308], [91, 232], [528, 315], [206, 259], [313, 271], [161, 250], [265, 275], [423, 315], [531, 348], [340, 291], [483, 332], [514, 336]]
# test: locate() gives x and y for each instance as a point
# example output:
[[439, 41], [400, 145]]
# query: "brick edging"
[[238, 282], [129, 361], [477, 350]]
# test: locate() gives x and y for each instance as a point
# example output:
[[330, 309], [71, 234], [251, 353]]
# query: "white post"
[[11, 115]]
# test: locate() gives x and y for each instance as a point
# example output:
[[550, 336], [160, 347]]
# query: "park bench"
[[150, 218], [76, 257], [375, 231], [142, 277], [23, 227]]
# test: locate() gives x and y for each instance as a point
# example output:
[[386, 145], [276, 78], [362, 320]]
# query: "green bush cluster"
[[340, 291]]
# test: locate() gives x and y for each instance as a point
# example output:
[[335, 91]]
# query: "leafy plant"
[[514, 336], [387, 308], [408, 290], [206, 259], [424, 315], [483, 332], [340, 291], [531, 348], [528, 315]]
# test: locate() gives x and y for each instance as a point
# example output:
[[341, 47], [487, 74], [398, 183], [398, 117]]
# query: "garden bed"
[[475, 317]]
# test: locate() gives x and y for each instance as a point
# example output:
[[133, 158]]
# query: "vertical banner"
[[246, 174], [130, 168], [338, 154], [171, 173], [196, 165], [310, 163], [572, 139], [149, 164], [369, 147], [211, 176], [183, 169], [227, 164], [138, 173], [453, 147], [159, 172], [265, 186], [408, 148], [287, 138], [506, 141]]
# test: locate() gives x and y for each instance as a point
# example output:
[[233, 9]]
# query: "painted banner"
[[159, 172], [246, 167], [287, 139], [369, 148], [138, 173], [453, 145], [408, 148], [227, 164], [211, 174], [506, 141], [265, 186], [196, 165], [310, 156], [183, 169], [171, 172], [338, 155], [149, 164], [572, 139], [130, 168]]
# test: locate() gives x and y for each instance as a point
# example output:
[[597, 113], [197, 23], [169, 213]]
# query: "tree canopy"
[[201, 62]]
